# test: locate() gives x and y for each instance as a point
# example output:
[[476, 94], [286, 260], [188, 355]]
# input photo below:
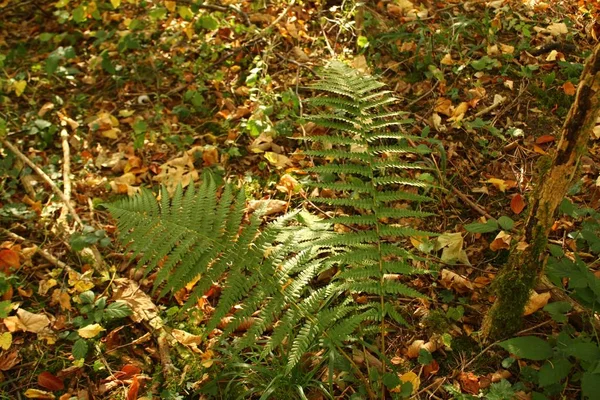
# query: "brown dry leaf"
[[469, 382], [30, 322], [536, 302], [451, 280], [569, 88], [447, 60], [499, 375], [140, 303], [261, 144], [62, 298], [270, 206], [517, 203], [481, 281], [431, 369], [444, 106], [413, 349], [210, 156], [9, 359], [545, 139], [45, 108], [502, 241], [288, 184], [187, 339]]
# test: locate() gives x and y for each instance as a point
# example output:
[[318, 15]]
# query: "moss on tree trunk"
[[513, 285]]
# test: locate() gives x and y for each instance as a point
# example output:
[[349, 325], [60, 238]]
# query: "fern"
[[273, 271], [371, 169]]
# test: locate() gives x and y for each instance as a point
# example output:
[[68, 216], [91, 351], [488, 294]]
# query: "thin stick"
[[471, 203], [66, 172], [49, 257], [45, 177]]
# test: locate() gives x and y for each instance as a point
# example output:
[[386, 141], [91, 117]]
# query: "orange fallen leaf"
[[50, 382], [502, 241], [517, 203], [569, 88], [132, 393], [545, 139], [469, 382]]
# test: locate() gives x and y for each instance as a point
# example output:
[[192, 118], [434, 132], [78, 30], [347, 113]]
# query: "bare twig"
[[49, 257], [96, 254], [45, 177], [66, 173], [471, 203]]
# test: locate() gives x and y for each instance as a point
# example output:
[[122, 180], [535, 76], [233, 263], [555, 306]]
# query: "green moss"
[[436, 322]]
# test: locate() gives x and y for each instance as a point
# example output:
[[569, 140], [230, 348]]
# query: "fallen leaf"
[[557, 29], [19, 87], [142, 307], [414, 348], [444, 106], [431, 369], [413, 379], [502, 241], [545, 139], [8, 259], [569, 88], [9, 359], [31, 322], [278, 160], [452, 244], [451, 280], [5, 340], [187, 339], [90, 331], [50, 382], [469, 382], [517, 204], [132, 393], [268, 207], [130, 370], [501, 184], [536, 302], [38, 394]]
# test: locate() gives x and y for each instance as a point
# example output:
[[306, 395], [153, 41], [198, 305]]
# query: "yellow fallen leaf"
[[170, 5], [536, 302], [90, 331], [5, 340], [19, 87], [278, 160], [413, 379], [499, 183], [38, 394], [115, 3]]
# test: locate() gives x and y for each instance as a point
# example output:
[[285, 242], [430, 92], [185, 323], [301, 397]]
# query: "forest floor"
[[105, 97]]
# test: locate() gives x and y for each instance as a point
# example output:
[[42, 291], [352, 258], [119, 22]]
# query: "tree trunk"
[[527, 260]]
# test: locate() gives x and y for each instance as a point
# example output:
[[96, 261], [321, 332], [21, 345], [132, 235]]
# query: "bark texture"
[[527, 261]]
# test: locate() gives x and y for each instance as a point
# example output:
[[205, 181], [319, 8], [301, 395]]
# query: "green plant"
[[279, 273]]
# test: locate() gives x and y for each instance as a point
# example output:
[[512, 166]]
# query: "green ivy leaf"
[[529, 347]]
